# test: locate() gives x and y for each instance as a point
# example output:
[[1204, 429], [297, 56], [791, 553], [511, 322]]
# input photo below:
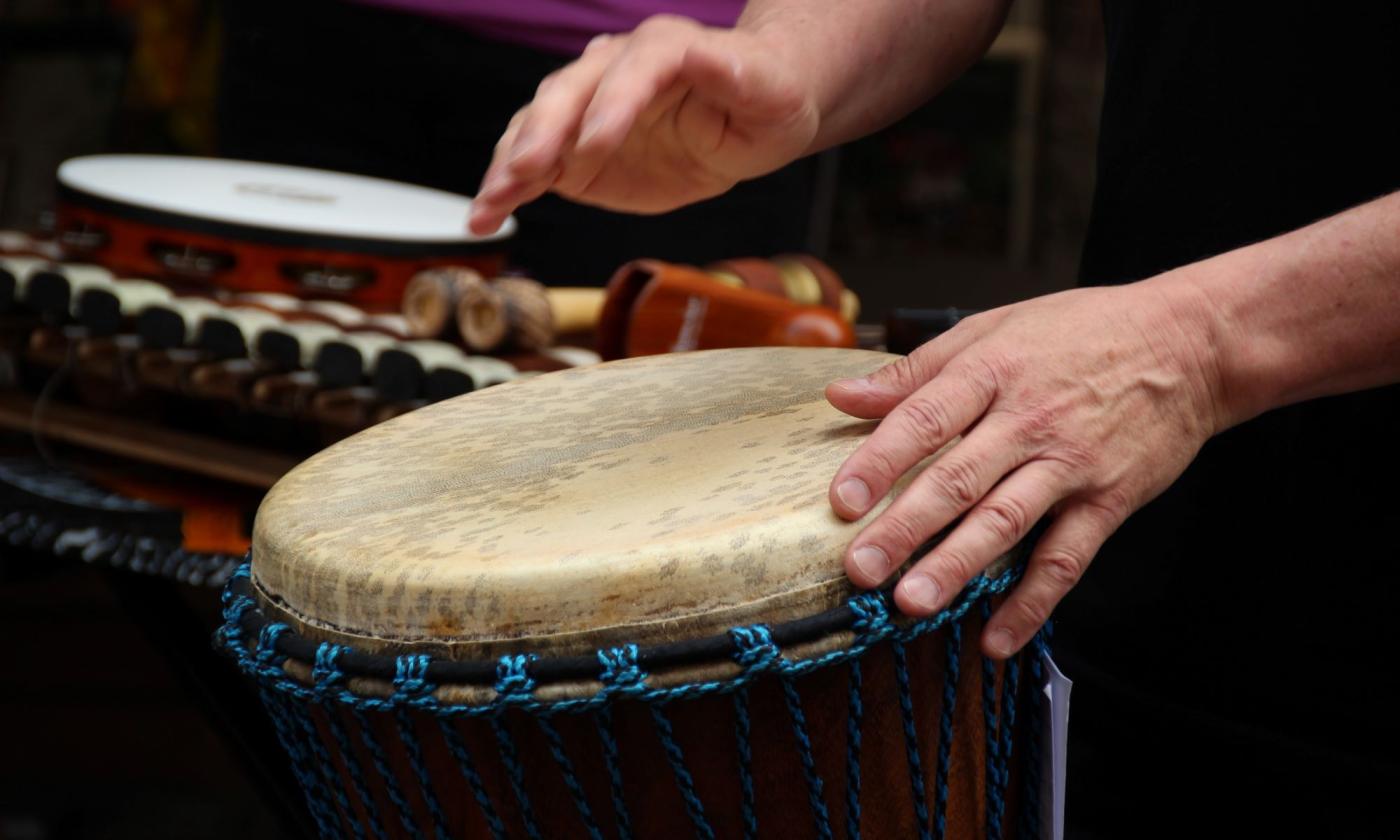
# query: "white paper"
[[1056, 689]]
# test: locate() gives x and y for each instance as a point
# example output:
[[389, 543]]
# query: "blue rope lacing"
[[756, 653], [744, 749], [284, 724], [998, 734], [458, 749], [513, 682], [952, 656], [911, 740], [271, 674], [326, 675], [410, 687], [566, 767], [621, 677]]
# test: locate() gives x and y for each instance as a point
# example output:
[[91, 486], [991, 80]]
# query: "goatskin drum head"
[[644, 500]]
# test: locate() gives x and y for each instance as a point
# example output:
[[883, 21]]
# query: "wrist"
[[1247, 359], [789, 41]]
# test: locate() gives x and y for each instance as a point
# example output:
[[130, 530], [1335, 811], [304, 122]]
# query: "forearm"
[[873, 61], [1311, 313]]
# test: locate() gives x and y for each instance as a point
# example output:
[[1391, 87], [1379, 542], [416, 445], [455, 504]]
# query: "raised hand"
[[669, 114]]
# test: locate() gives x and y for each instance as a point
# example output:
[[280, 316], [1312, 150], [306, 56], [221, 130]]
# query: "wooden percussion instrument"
[[16, 242], [295, 344], [106, 309], [528, 312], [413, 370], [610, 602], [486, 315], [233, 331], [433, 297], [15, 274], [351, 358], [801, 278], [657, 307], [53, 292], [175, 322], [265, 228]]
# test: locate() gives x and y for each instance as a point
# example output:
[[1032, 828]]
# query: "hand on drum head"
[[1084, 405], [667, 115]]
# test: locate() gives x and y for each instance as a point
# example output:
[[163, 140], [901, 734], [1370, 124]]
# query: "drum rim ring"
[[263, 648]]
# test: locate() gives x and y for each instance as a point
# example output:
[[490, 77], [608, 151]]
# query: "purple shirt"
[[562, 26]]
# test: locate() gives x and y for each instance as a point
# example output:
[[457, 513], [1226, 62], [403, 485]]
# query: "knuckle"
[[1073, 458], [927, 419], [1063, 567], [955, 480], [882, 464], [1029, 612], [985, 373], [597, 42], [547, 83], [953, 567], [899, 533], [1038, 425], [902, 373], [975, 321], [512, 131], [1001, 367], [665, 23], [1111, 506], [1007, 518]]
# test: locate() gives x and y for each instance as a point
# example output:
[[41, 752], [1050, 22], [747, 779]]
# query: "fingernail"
[[921, 590], [859, 383], [474, 225], [1001, 642], [854, 494], [872, 562]]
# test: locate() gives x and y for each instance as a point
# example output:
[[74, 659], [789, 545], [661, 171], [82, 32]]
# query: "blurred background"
[[116, 719]]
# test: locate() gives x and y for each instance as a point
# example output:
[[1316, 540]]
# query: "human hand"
[[667, 115], [1085, 404]]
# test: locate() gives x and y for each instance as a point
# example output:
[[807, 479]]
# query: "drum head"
[[645, 500], [238, 198]]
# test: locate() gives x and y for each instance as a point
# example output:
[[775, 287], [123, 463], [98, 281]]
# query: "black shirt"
[[1240, 631]]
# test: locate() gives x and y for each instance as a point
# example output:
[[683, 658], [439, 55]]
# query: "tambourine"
[[257, 227]]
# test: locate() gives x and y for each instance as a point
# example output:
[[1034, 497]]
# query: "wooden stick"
[[101, 431]]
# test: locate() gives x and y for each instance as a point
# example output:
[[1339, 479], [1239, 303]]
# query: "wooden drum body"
[[609, 602], [252, 227]]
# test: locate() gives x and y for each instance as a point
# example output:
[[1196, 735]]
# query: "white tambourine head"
[[286, 198]]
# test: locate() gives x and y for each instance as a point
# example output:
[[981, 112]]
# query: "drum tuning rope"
[[945, 730], [326, 669], [264, 649], [998, 734]]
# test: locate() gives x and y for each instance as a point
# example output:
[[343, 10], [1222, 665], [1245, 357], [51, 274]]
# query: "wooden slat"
[[144, 442]]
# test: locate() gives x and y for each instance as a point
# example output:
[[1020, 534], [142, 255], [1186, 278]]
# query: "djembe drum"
[[609, 602]]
